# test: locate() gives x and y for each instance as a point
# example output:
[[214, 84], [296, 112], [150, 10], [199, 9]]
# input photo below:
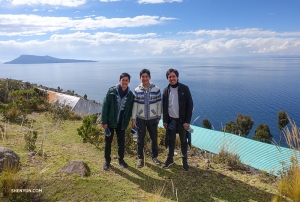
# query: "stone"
[[76, 167], [9, 158]]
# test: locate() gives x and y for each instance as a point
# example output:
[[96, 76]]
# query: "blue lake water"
[[221, 88]]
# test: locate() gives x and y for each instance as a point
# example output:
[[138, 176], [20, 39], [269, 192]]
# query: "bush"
[[263, 134], [206, 124], [230, 159], [90, 130], [230, 127], [244, 124], [62, 112], [30, 140]]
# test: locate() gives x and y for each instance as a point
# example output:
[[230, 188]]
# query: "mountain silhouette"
[[34, 59]]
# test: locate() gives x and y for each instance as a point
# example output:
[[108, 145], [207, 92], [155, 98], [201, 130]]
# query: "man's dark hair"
[[145, 71], [172, 70], [124, 75]]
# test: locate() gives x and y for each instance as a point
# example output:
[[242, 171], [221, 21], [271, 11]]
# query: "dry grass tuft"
[[289, 183]]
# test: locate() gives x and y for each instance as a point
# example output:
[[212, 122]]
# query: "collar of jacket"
[[141, 87], [178, 85], [117, 87]]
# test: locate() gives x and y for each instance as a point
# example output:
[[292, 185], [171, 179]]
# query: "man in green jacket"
[[115, 117]]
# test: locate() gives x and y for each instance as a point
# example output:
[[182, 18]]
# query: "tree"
[[262, 133], [244, 124], [206, 123], [231, 127], [85, 96], [283, 120]]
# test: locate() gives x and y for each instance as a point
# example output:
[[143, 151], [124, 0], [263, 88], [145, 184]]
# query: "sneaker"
[[155, 161], [140, 163], [106, 165], [185, 165], [167, 163], [123, 164]]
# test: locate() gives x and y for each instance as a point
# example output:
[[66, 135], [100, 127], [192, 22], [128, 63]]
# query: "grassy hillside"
[[150, 183]]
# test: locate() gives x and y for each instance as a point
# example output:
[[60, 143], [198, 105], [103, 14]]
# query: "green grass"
[[150, 183]]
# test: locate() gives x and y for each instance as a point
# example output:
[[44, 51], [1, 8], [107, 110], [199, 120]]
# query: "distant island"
[[34, 59]]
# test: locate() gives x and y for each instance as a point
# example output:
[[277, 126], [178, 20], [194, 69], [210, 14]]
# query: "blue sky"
[[138, 29]]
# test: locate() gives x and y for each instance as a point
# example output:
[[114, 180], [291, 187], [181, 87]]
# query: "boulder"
[[76, 167], [9, 159]]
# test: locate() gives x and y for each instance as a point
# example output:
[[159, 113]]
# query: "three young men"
[[146, 106]]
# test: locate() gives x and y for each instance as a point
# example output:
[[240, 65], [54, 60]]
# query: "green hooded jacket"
[[109, 113]]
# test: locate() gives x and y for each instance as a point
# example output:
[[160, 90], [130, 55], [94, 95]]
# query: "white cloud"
[[250, 32], [13, 25], [108, 0], [157, 1], [84, 45], [68, 3]]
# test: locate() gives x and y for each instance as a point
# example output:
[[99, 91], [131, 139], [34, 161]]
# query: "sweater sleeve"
[[159, 103]]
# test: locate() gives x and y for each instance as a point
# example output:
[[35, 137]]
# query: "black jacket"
[[185, 104]]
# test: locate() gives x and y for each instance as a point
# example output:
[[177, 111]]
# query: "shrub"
[[206, 124], [244, 124], [90, 131], [30, 139], [230, 159], [230, 127], [62, 112], [263, 134]]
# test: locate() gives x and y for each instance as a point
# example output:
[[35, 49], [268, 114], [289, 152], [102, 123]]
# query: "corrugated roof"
[[259, 155], [78, 105]]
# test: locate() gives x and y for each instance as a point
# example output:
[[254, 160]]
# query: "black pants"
[[151, 126], [121, 143], [184, 144]]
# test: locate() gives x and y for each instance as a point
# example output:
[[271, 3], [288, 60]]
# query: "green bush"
[[263, 134], [62, 112], [90, 130], [30, 140]]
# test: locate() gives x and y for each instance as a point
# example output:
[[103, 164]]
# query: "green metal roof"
[[259, 155]]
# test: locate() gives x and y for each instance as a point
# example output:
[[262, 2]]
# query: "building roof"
[[78, 105]]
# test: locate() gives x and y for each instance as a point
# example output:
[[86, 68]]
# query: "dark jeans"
[[184, 144], [121, 143], [151, 126]]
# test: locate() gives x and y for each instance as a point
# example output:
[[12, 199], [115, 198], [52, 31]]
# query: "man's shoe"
[[185, 165], [123, 164], [155, 161], [167, 163], [106, 165], [140, 163]]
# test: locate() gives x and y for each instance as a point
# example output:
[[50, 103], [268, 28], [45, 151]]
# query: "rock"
[[76, 167], [9, 158], [32, 154]]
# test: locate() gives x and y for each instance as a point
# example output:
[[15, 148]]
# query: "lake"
[[221, 88]]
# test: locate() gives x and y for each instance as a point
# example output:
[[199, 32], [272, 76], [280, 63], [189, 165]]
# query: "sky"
[[147, 29]]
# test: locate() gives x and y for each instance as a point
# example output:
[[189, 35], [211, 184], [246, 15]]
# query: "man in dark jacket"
[[177, 114], [116, 114]]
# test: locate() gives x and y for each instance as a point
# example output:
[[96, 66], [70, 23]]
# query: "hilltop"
[[34, 59]]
